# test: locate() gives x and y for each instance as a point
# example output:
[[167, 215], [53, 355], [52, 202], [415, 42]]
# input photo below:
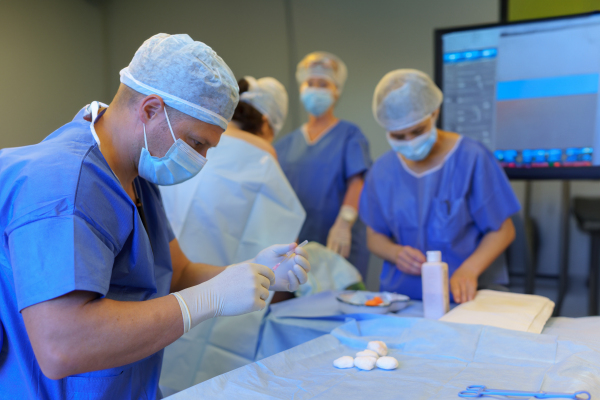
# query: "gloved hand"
[[239, 289], [339, 239], [292, 272]]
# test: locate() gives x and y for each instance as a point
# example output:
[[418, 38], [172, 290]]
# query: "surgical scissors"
[[480, 391]]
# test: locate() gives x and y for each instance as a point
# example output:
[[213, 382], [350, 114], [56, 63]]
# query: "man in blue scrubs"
[[88, 258]]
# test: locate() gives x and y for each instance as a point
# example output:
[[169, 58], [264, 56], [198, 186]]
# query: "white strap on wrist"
[[185, 312], [348, 214]]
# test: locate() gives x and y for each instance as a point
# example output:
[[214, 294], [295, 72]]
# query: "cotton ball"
[[344, 362], [366, 363], [367, 353], [387, 363], [379, 347]]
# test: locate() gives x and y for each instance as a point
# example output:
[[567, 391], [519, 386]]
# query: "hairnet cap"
[[269, 97], [188, 75], [321, 64], [405, 97]]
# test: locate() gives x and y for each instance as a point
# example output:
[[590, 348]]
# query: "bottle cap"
[[434, 256]]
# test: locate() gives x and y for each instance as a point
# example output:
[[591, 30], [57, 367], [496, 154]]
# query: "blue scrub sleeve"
[[492, 199], [370, 210], [54, 256], [358, 158]]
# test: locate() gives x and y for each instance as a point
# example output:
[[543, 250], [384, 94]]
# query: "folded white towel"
[[515, 311]]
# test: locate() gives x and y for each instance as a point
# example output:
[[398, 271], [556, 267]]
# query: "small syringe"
[[289, 254]]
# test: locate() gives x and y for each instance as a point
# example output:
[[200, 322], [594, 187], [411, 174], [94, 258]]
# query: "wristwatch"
[[348, 214]]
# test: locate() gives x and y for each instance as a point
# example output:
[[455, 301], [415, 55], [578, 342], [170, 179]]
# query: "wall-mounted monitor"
[[528, 91]]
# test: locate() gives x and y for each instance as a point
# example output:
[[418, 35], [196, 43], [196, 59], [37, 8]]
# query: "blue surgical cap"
[[189, 76], [269, 97], [321, 64], [404, 98]]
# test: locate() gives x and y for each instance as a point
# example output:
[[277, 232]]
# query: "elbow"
[[511, 233], [371, 240], [372, 249], [55, 363]]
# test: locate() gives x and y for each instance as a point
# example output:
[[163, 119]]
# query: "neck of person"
[[117, 146], [317, 126], [443, 145], [234, 130]]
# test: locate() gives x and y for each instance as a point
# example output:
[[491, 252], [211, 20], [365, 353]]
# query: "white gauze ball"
[[387, 363], [379, 347], [366, 363], [344, 362], [367, 353]]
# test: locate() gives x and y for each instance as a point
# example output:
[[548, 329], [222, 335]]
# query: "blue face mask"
[[316, 100], [179, 164], [416, 149]]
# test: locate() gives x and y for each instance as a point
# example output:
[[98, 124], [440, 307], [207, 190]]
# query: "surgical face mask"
[[416, 149], [317, 100], [179, 164]]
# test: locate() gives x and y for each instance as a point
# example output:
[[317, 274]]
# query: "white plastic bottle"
[[434, 275]]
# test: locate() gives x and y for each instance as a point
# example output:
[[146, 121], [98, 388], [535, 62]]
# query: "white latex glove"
[[292, 272], [239, 289], [339, 239]]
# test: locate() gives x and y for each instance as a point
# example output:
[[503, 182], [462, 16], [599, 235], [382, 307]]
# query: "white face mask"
[[180, 163], [416, 149]]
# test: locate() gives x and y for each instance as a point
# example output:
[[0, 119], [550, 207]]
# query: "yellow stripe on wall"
[[532, 9]]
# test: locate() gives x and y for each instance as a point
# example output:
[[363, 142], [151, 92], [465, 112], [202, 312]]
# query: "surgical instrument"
[[289, 254], [480, 391]]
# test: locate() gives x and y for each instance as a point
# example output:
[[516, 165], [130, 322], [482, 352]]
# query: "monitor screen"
[[528, 91]]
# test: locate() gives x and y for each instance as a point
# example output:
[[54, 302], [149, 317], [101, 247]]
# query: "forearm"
[[186, 273], [355, 186], [194, 274], [491, 246], [76, 333], [382, 246]]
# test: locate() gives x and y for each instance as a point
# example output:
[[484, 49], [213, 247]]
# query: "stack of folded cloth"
[[519, 312]]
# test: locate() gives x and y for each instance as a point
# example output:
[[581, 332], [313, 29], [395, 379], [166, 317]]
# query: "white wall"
[[249, 35], [372, 37], [375, 37], [51, 65]]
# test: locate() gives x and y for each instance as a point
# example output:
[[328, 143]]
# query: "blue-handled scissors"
[[480, 391]]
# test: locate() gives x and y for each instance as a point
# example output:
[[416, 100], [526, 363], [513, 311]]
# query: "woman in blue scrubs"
[[435, 190], [325, 161]]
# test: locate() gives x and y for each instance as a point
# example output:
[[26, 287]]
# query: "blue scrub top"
[[67, 224], [449, 208], [319, 174]]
